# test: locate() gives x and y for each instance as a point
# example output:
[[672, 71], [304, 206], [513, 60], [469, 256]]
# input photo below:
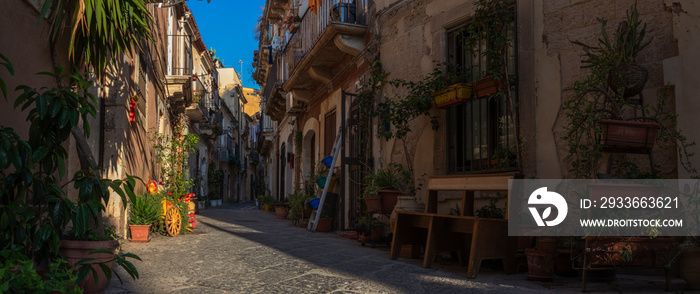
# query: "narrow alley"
[[240, 249]]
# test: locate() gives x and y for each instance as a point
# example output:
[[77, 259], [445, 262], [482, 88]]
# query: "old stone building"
[[311, 79], [158, 78]]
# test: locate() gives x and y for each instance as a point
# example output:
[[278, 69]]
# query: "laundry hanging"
[[314, 5]]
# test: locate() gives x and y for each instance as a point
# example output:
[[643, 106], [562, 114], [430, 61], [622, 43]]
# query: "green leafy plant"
[[366, 223], [215, 179], [18, 275], [145, 210], [392, 177], [628, 41], [100, 30], [266, 200], [36, 211], [491, 210], [297, 205], [594, 99], [171, 154]]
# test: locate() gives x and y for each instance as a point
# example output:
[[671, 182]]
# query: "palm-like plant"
[[100, 30], [144, 210]]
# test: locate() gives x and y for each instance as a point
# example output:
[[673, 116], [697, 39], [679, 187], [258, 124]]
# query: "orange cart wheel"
[[173, 221]]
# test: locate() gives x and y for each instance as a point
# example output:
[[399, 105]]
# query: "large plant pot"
[[373, 202], [630, 76], [620, 134], [389, 199], [74, 251], [405, 203], [540, 264], [281, 212], [324, 225], [140, 233], [689, 266]]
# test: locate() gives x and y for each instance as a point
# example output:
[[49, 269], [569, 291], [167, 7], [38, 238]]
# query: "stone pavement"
[[240, 249]]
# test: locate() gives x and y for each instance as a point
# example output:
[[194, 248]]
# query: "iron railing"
[[313, 25]]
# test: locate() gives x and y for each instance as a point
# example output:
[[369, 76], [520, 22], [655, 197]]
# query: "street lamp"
[[240, 61]]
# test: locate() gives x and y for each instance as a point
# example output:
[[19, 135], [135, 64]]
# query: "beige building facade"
[[309, 87]]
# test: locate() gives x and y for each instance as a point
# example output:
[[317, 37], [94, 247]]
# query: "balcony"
[[333, 35], [178, 80], [265, 135], [202, 102]]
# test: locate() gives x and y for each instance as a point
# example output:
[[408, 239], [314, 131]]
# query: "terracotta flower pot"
[[281, 212], [139, 233], [620, 134], [540, 264], [74, 251], [324, 225], [389, 198], [374, 203], [690, 267], [487, 86]]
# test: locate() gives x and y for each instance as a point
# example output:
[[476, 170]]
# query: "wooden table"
[[473, 237]]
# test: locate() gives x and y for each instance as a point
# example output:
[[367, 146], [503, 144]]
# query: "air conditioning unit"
[[294, 106]]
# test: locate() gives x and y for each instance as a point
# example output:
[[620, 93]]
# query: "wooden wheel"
[[173, 221]]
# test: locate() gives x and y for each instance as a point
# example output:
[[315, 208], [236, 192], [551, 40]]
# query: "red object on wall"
[[132, 110]]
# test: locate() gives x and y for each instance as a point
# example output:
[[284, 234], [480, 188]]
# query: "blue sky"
[[227, 26]]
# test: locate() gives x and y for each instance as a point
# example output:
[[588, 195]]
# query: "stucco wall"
[[681, 71]]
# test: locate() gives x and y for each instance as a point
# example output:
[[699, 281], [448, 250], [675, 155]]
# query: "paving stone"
[[239, 249]]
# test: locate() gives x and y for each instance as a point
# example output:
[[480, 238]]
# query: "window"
[[480, 133]]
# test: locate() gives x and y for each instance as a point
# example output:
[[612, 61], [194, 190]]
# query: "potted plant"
[[391, 182], [31, 170], [93, 254], [325, 223], [298, 210], [372, 199], [282, 209], [144, 211], [215, 179], [689, 264], [267, 201], [487, 86], [369, 228]]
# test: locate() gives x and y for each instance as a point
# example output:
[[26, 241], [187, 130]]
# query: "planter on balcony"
[[452, 95], [487, 86]]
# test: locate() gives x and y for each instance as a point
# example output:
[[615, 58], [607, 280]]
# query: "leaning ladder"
[[316, 214]]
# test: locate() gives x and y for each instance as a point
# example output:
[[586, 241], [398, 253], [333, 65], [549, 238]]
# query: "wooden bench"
[[473, 237]]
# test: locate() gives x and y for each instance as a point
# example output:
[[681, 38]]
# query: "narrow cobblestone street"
[[239, 249]]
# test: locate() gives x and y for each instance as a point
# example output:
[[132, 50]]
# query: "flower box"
[[487, 86], [628, 134], [455, 94]]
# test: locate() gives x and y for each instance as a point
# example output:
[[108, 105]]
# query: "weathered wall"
[[564, 22], [681, 71], [412, 40]]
